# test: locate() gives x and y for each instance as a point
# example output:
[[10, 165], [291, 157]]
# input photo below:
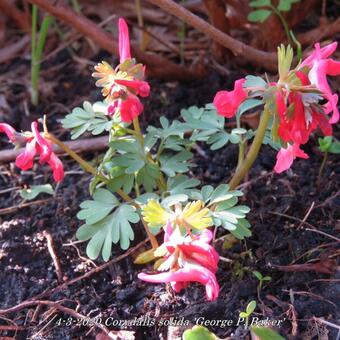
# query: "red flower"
[[188, 259], [285, 157], [227, 102], [320, 66], [122, 85], [130, 108], [37, 144], [124, 41], [8, 130]]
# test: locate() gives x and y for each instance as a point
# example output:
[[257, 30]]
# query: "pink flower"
[[37, 144], [285, 157], [227, 102], [321, 66], [142, 88], [8, 130], [130, 108], [293, 126], [124, 41], [122, 85], [188, 259]]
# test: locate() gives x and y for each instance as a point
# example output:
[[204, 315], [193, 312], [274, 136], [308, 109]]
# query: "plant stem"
[[37, 50], [89, 168], [241, 144], [322, 166], [137, 128], [283, 21], [253, 151]]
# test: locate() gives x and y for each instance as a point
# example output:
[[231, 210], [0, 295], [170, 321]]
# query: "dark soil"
[[26, 267]]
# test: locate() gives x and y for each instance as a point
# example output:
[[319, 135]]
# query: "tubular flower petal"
[[37, 144], [188, 259], [124, 41], [321, 66], [130, 108], [57, 166], [191, 273], [141, 87], [227, 102], [43, 146], [8, 130], [122, 85], [24, 160], [285, 157]]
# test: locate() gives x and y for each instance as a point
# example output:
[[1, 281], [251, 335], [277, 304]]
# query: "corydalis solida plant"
[[294, 102], [143, 176]]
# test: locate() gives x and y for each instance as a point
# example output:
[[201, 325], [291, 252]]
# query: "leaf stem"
[[241, 144], [283, 21], [138, 131], [253, 151], [322, 166], [89, 168]]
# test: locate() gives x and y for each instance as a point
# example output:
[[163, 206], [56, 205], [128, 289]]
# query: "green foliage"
[[88, 118], [264, 8], [35, 190], [226, 212], [102, 204], [198, 333], [260, 277], [260, 15], [131, 162], [207, 126], [265, 333], [328, 144], [286, 5], [170, 164], [37, 48], [102, 227], [254, 81], [249, 310]]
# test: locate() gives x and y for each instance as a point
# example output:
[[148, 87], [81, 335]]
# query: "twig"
[[51, 250], [81, 277], [324, 234], [254, 56], [81, 145], [290, 217], [15, 208], [157, 66], [307, 214], [326, 201], [333, 325], [321, 32]]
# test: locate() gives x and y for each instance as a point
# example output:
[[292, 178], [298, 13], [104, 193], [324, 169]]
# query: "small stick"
[[81, 145], [15, 208], [76, 279], [326, 323], [324, 234], [307, 214], [291, 217], [51, 250]]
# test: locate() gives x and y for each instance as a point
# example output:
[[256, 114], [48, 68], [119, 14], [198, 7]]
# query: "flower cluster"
[[122, 85], [186, 259], [36, 143], [298, 96]]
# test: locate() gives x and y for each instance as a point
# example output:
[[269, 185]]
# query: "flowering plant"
[[143, 175]]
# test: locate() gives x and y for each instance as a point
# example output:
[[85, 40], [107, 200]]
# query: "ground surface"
[[278, 203]]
